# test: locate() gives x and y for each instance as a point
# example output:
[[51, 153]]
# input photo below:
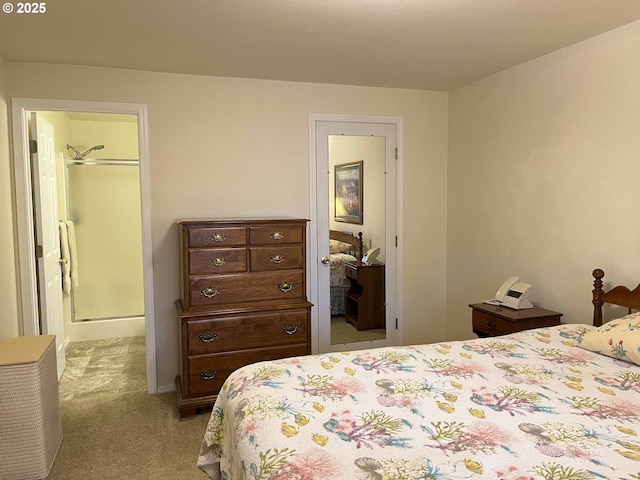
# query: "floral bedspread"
[[337, 274], [525, 406]]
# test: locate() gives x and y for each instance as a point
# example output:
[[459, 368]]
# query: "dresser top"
[[239, 221], [512, 314]]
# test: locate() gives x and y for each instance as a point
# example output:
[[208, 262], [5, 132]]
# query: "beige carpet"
[[343, 332], [128, 436]]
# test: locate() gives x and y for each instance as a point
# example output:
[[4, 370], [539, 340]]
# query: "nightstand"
[[491, 320], [364, 301]]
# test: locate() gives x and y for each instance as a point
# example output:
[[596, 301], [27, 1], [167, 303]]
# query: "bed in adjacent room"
[[558, 403], [343, 247]]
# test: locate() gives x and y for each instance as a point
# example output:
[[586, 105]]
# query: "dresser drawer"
[[260, 286], [286, 257], [216, 237], [491, 320], [206, 261], [490, 325], [206, 374], [276, 235], [213, 335]]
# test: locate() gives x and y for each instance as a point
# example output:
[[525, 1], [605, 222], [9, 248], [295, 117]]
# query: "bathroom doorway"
[[83, 159]]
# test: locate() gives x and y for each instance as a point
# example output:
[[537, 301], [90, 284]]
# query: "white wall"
[[543, 171], [118, 134], [8, 260], [226, 147]]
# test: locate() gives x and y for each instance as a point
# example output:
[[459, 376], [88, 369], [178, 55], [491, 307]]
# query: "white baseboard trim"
[[166, 388]]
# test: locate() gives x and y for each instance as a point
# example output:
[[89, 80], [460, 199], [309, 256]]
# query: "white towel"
[[73, 253], [64, 257]]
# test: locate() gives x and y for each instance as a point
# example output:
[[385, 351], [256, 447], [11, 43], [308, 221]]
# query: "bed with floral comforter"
[[531, 405]]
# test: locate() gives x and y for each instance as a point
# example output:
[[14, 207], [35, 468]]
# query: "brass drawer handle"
[[285, 286], [290, 329], [209, 292], [218, 262], [218, 237], [207, 337], [277, 235], [491, 325], [208, 374], [277, 258]]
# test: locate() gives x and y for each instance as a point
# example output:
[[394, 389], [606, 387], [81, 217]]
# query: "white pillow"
[[336, 246], [619, 338]]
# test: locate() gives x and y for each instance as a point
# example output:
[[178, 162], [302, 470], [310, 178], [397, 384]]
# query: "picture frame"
[[348, 201]]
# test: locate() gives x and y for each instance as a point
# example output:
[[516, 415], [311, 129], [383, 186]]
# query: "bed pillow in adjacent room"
[[336, 246], [619, 338]]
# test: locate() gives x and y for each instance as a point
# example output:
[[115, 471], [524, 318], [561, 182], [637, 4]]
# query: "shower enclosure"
[[103, 202]]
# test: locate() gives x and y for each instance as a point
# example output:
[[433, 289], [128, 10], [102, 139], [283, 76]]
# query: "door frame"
[[20, 109], [312, 253]]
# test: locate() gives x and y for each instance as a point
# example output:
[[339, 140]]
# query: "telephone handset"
[[370, 256], [513, 294]]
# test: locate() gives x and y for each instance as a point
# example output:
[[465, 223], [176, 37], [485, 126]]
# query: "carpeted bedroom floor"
[[131, 435], [343, 332], [112, 428]]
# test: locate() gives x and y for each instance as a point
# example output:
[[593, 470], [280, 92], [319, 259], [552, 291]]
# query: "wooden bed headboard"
[[619, 295], [350, 239]]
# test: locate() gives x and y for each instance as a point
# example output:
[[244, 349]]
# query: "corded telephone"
[[370, 256], [513, 294]]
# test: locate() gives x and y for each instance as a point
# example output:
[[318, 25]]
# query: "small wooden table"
[[365, 299], [491, 320]]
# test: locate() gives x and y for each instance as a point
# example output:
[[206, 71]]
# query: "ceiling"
[[416, 44]]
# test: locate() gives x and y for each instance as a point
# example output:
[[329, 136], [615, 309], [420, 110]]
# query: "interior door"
[[47, 235], [361, 142]]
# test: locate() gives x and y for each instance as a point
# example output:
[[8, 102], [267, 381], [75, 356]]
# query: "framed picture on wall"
[[348, 192]]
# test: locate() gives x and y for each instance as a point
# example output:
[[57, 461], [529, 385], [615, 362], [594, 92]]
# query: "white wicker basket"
[[30, 424]]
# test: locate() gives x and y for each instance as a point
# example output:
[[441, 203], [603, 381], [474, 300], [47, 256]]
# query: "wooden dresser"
[[243, 300]]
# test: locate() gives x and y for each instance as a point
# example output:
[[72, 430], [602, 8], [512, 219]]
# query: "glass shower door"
[[104, 205]]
